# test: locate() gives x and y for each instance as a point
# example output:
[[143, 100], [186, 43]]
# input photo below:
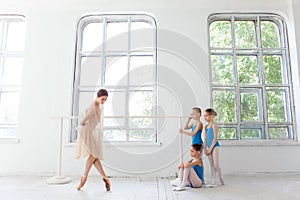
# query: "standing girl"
[[90, 140], [211, 145], [192, 171], [196, 126]]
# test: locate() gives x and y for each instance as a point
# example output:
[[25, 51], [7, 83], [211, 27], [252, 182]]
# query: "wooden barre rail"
[[117, 117]]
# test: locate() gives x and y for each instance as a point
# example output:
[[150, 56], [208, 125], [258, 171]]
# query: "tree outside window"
[[250, 76]]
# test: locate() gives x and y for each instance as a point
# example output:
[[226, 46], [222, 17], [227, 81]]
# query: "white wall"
[[183, 78]]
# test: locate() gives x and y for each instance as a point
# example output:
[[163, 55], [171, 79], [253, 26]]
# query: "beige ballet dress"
[[90, 135]]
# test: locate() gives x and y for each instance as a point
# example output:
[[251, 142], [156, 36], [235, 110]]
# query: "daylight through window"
[[12, 41], [118, 53], [250, 76]]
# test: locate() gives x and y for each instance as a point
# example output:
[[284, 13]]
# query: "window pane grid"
[[259, 63], [12, 41], [120, 56]]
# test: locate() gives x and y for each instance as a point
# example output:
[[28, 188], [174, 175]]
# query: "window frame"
[[106, 19], [287, 85], [5, 53]]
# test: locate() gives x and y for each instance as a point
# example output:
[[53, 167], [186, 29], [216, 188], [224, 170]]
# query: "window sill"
[[259, 143], [10, 140]]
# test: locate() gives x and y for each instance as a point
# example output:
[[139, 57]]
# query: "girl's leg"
[[89, 162], [193, 177], [216, 162], [178, 180], [88, 165], [99, 168], [180, 175], [212, 168], [203, 174], [189, 175]]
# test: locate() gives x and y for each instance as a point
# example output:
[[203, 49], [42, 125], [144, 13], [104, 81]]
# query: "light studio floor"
[[250, 186]]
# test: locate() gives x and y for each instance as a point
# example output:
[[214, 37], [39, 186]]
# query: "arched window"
[[118, 52], [250, 76]]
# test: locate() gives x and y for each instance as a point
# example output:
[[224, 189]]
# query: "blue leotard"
[[196, 139], [210, 137], [199, 171]]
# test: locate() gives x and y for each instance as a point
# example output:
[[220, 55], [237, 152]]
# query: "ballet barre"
[[142, 116], [59, 179], [150, 117]]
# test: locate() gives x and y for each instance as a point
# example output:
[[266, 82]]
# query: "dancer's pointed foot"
[[107, 183], [82, 182], [222, 180]]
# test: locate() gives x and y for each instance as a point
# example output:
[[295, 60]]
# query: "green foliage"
[[252, 70], [276, 105], [245, 34], [269, 34], [222, 70], [247, 70], [272, 70], [144, 103], [278, 133], [250, 133], [220, 34], [227, 133], [224, 103], [249, 106]]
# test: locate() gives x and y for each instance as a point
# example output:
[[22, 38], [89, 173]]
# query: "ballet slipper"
[[107, 183], [82, 182]]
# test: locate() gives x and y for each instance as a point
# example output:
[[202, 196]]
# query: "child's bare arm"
[[187, 124], [192, 163], [190, 133]]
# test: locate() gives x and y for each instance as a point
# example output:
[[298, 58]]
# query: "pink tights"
[[188, 175], [215, 166]]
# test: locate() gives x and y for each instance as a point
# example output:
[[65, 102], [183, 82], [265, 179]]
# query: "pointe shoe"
[[82, 182], [107, 183]]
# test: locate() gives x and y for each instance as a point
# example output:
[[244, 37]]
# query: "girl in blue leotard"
[[211, 145], [192, 171], [196, 126]]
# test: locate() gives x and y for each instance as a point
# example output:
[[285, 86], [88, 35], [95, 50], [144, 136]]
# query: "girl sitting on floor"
[[192, 171]]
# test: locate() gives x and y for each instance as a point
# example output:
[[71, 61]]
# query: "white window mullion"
[[112, 51], [273, 51], [10, 83]]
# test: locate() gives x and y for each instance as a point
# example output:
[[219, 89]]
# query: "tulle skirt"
[[89, 142]]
